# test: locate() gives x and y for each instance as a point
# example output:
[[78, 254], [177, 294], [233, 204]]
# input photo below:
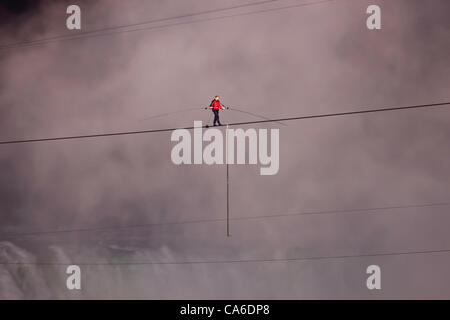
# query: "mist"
[[299, 61]]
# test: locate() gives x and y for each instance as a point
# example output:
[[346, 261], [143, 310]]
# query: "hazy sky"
[[297, 61]]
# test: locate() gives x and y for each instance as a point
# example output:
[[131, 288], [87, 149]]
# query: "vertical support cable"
[[228, 183]]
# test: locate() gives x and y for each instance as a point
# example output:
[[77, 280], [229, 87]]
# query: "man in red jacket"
[[215, 106]]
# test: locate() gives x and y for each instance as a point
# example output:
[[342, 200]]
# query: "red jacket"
[[215, 104]]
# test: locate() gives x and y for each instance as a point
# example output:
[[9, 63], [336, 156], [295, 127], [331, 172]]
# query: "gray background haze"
[[299, 61]]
